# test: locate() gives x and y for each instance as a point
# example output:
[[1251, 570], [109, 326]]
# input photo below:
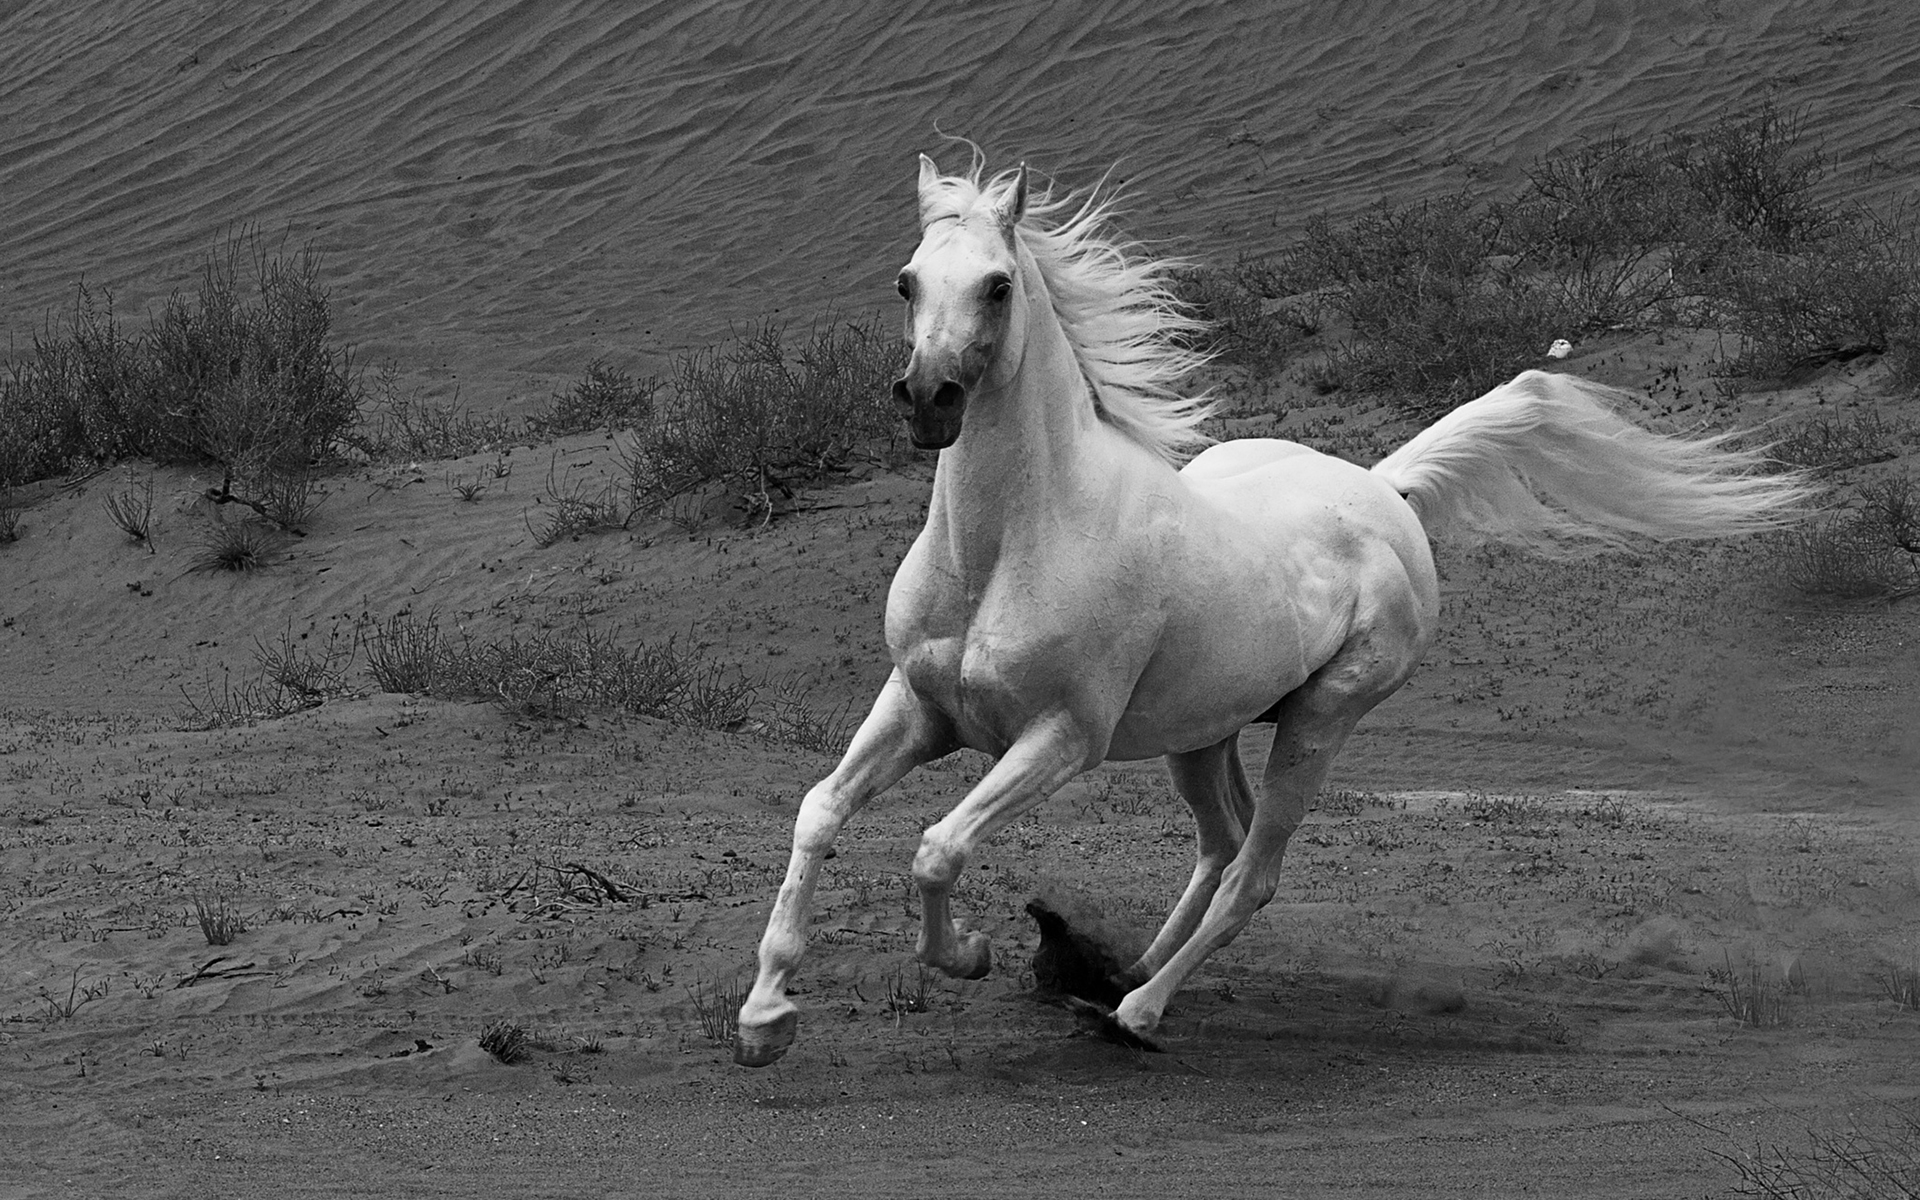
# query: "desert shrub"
[[1250, 317], [1448, 297], [1854, 291], [250, 382], [602, 398], [1831, 441], [1868, 552], [240, 373], [75, 397], [1598, 227], [1437, 315], [404, 654], [1864, 1161], [306, 667], [759, 414], [403, 425], [1754, 176]]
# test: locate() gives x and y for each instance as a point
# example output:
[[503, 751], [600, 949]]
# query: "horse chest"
[[988, 650]]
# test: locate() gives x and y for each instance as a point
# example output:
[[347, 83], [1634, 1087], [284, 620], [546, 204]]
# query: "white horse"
[[1075, 598]]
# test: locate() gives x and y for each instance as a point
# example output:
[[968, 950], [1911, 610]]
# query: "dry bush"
[[1860, 1162], [1868, 552], [604, 397], [404, 426], [405, 654], [759, 415], [1758, 1002], [1829, 441]]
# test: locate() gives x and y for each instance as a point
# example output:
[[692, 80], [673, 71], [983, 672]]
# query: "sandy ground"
[[1500, 963]]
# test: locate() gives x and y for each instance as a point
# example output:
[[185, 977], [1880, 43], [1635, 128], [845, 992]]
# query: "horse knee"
[[938, 862]]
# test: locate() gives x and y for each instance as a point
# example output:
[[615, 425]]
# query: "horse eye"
[[1000, 291], [903, 287]]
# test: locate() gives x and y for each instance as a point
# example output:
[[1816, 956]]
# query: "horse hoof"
[[762, 1043], [976, 957], [1095, 1019]]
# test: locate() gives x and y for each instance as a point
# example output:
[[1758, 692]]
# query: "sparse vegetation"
[[132, 511], [760, 415], [718, 1007], [1867, 552], [508, 1042], [239, 546], [604, 397], [1878, 1161], [1755, 1001], [1716, 227], [220, 922]]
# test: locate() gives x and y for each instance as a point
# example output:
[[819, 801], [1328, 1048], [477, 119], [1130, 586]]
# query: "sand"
[[1502, 957]]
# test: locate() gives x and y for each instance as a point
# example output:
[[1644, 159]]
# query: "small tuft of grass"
[[132, 510], [1901, 985], [220, 921], [574, 508], [507, 1041], [915, 996], [77, 997], [238, 546], [718, 1007], [1758, 1003]]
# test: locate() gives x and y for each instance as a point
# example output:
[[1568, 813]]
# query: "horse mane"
[[1115, 304]]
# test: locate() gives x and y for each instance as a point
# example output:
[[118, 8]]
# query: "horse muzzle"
[[933, 413]]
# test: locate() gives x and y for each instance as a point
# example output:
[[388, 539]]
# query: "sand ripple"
[[503, 190]]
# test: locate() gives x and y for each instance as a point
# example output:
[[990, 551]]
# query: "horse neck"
[[1028, 451]]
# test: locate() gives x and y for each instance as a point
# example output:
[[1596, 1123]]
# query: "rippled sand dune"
[[504, 190]]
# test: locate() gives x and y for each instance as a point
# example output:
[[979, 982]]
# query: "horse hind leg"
[[1314, 721], [1214, 785]]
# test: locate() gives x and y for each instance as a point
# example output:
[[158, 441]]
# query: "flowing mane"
[[1115, 304]]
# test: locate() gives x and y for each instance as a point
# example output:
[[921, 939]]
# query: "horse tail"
[[1547, 461]]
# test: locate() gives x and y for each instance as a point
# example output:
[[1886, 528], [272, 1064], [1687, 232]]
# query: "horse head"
[[963, 303]]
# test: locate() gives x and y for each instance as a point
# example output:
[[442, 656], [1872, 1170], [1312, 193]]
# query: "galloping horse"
[[1076, 598]]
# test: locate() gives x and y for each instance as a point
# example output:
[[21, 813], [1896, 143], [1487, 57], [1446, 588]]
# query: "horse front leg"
[[898, 735], [1046, 757]]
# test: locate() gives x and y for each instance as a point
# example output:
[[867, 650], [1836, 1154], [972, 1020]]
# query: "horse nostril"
[[901, 395], [949, 395]]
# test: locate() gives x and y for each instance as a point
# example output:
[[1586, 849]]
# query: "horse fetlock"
[[964, 956]]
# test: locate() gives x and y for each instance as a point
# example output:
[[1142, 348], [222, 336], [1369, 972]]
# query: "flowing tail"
[[1546, 461]]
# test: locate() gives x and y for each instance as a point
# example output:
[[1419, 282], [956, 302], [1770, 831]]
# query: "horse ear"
[[929, 175], [1015, 205]]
